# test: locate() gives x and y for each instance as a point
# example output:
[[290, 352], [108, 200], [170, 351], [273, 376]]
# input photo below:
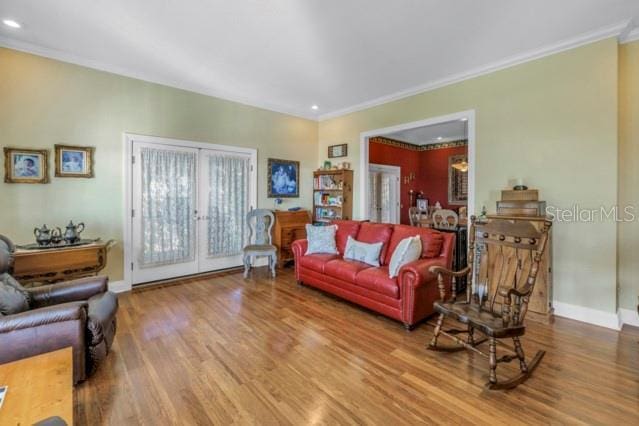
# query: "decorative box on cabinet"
[[289, 226], [540, 303]]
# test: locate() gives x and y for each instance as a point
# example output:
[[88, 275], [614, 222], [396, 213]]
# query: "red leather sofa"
[[408, 298]]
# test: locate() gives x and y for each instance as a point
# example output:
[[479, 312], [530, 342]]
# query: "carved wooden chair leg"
[[492, 360], [520, 354], [438, 329]]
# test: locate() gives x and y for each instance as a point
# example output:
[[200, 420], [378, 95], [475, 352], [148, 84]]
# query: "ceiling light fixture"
[[315, 107], [439, 138], [464, 119], [11, 23]]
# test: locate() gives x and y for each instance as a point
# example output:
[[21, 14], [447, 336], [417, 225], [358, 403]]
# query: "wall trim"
[[119, 286], [628, 316], [590, 37], [70, 58], [587, 315]]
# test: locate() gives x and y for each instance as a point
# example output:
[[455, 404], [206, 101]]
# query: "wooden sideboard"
[[52, 265], [289, 226]]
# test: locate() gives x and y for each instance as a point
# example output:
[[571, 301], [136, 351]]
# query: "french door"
[[189, 209], [383, 190]]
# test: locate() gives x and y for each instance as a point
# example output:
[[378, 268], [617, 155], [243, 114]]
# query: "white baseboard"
[[628, 316], [589, 315], [119, 286]]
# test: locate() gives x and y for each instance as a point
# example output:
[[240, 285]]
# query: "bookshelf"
[[332, 195]]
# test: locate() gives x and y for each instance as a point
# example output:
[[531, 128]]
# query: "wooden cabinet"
[[59, 264], [540, 304], [289, 226], [332, 195]]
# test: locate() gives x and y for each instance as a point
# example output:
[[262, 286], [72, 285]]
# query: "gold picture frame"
[[74, 161], [26, 165]]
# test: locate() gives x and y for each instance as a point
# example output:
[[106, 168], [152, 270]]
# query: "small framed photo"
[[74, 161], [336, 151], [283, 178], [422, 204], [26, 165]]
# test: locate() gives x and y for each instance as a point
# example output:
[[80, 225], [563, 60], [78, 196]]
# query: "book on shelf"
[[328, 199], [327, 214], [327, 182]]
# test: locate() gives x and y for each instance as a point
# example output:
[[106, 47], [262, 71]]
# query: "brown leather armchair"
[[79, 313]]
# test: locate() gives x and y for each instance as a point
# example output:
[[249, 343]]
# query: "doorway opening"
[[436, 159]]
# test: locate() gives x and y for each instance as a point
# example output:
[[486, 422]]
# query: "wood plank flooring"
[[225, 351]]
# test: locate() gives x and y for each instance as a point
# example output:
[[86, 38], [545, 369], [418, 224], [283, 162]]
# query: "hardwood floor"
[[227, 351]]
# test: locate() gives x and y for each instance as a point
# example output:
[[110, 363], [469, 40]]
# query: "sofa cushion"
[[316, 262], [377, 280], [321, 239], [345, 270], [376, 233], [345, 228], [408, 250], [432, 240], [363, 252], [13, 297]]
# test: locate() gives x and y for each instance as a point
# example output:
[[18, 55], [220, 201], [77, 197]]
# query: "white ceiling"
[[436, 133], [287, 55]]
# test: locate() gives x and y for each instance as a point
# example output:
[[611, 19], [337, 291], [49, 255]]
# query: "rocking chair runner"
[[502, 281]]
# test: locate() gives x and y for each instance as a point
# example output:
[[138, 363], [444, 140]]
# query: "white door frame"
[[396, 171], [363, 152], [127, 140]]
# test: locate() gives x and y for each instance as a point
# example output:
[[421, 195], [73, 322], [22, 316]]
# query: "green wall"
[[44, 102], [629, 173], [552, 121]]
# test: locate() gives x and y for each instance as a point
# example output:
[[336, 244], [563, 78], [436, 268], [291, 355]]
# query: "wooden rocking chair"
[[501, 281]]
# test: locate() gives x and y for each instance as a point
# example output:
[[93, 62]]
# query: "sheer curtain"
[[228, 204], [168, 206]]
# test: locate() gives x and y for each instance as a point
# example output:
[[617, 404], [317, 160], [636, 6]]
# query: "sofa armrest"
[[299, 248], [69, 291], [418, 273], [43, 316]]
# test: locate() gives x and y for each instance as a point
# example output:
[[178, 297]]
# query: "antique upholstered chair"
[[80, 314], [260, 223], [445, 219], [500, 283]]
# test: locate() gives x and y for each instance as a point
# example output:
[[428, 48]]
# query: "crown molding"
[[630, 37], [62, 56], [571, 43]]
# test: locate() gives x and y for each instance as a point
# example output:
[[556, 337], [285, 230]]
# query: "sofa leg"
[[409, 327]]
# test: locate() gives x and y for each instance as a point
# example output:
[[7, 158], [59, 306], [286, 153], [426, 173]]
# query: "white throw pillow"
[[321, 239], [363, 252], [408, 250]]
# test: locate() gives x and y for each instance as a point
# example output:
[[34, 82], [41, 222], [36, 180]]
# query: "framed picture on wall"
[[336, 151], [74, 161], [457, 180], [422, 204], [283, 178], [26, 165]]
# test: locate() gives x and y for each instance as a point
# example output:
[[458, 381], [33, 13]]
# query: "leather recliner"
[[79, 313]]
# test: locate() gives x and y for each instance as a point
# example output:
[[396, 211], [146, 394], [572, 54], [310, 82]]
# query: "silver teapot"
[[45, 236], [72, 233]]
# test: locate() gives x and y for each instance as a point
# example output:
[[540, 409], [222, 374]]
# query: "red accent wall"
[[430, 168]]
